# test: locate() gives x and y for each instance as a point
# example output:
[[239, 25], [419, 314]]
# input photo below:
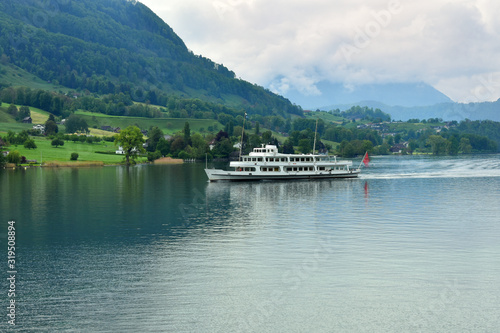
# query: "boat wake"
[[435, 168]]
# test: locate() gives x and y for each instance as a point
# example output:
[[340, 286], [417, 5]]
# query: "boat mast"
[[242, 133], [315, 132]]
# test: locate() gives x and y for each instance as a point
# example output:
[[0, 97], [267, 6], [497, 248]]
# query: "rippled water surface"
[[412, 245]]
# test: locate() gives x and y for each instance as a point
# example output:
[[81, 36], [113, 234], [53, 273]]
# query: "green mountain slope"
[[118, 46]]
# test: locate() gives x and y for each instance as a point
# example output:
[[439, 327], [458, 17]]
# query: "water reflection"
[[157, 248], [264, 201]]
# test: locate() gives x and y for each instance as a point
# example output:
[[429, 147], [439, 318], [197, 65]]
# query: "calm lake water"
[[412, 245]]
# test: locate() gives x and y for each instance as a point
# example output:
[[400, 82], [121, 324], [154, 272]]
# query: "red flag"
[[366, 159]]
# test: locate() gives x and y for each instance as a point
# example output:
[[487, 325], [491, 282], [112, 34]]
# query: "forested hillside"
[[118, 46]]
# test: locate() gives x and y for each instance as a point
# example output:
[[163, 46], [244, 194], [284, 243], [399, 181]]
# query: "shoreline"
[[82, 164]]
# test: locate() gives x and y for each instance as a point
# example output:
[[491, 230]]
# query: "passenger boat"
[[266, 163]]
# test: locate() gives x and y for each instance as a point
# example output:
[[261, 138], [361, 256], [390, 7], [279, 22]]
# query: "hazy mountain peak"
[[392, 94]]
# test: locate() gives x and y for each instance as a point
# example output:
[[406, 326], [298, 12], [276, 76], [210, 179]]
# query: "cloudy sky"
[[453, 45]]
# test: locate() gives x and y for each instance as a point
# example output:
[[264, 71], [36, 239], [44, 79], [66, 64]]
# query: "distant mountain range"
[[402, 101], [402, 94], [445, 111]]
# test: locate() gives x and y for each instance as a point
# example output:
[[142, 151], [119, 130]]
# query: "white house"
[[40, 128], [120, 150]]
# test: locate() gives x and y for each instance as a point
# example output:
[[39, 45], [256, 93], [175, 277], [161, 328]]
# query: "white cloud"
[[296, 43]]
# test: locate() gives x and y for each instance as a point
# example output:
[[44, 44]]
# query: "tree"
[[187, 134], [154, 134], [12, 110], [412, 145], [305, 146], [131, 140], [266, 137], [75, 123], [199, 146], [177, 145], [223, 148], [397, 138], [24, 112], [465, 146], [14, 157], [74, 156], [30, 144], [51, 127], [438, 144], [349, 150], [254, 141], [229, 128], [163, 146], [390, 139], [3, 160], [57, 142], [288, 147], [454, 145]]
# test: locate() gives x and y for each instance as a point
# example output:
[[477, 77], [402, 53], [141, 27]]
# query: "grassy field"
[[327, 117], [167, 125], [39, 116], [87, 152], [8, 123]]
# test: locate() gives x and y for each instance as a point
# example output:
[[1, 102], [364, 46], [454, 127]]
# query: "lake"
[[413, 245]]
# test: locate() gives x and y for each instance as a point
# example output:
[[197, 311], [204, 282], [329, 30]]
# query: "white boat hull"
[[218, 175]]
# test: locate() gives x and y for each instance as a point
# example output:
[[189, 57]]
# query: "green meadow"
[[87, 152], [167, 125]]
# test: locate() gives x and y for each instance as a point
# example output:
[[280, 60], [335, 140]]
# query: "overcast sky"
[[451, 45]]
